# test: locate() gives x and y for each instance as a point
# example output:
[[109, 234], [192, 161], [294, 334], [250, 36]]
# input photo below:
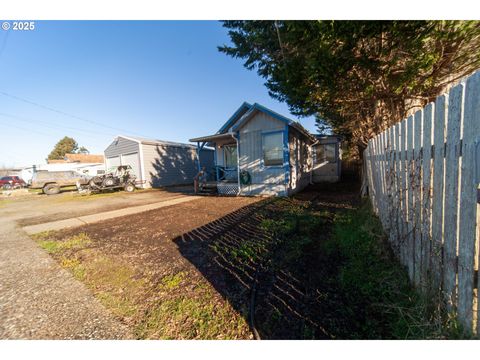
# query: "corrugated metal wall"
[[172, 165], [121, 146]]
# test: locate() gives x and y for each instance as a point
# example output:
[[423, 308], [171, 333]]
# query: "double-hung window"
[[272, 144]]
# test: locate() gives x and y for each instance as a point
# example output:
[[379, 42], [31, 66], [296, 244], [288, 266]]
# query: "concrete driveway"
[[39, 299]]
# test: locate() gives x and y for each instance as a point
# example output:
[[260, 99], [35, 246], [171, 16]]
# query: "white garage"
[[157, 163]]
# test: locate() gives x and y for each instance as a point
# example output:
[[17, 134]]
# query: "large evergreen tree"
[[67, 145], [358, 77]]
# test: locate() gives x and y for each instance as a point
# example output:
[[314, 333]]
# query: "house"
[[260, 152], [327, 159], [79, 158], [156, 163]]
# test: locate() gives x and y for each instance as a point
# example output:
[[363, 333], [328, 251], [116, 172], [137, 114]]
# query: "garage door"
[[134, 161], [112, 163]]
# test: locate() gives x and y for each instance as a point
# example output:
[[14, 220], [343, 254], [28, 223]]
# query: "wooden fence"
[[422, 176]]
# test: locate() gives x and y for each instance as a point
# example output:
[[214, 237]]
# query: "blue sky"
[[163, 80]]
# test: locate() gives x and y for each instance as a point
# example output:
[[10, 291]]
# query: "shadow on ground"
[[284, 286]]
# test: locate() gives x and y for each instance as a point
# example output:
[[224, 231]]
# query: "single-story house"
[[327, 157], [156, 163], [260, 152]]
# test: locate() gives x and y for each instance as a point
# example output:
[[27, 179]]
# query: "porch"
[[223, 178]]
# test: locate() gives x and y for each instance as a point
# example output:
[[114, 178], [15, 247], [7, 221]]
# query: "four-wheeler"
[[121, 178], [12, 182]]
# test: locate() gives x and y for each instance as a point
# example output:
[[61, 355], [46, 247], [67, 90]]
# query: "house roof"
[[146, 141], [78, 158], [236, 115], [244, 113], [84, 158]]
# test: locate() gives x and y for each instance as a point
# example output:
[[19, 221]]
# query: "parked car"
[[12, 182], [52, 181]]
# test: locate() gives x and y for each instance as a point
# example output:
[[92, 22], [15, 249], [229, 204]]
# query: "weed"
[[75, 242], [171, 282]]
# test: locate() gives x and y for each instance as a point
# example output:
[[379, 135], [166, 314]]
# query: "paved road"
[[39, 299]]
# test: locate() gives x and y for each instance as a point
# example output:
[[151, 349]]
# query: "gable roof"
[[236, 115], [247, 111]]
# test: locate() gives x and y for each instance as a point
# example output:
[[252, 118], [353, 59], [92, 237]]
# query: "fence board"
[[417, 195], [410, 217], [438, 186], [391, 184], [403, 174], [426, 192], [398, 187], [451, 194], [468, 203]]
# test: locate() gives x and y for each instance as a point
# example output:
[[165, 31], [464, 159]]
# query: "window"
[[272, 149], [230, 152], [325, 152]]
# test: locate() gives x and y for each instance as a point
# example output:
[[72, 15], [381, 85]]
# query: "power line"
[[25, 129], [66, 114], [54, 126]]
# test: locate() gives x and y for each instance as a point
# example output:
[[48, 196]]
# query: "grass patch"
[[186, 317], [382, 301], [153, 308], [170, 282], [75, 242]]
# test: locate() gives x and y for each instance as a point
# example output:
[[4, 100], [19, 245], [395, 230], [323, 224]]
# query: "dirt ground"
[[37, 208], [210, 269]]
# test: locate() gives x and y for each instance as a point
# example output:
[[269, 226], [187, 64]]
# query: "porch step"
[[208, 188]]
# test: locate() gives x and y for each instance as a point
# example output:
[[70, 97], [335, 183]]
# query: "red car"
[[12, 182]]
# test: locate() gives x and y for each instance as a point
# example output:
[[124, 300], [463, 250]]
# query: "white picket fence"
[[423, 175]]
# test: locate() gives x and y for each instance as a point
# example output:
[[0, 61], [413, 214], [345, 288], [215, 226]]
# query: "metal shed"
[[157, 163]]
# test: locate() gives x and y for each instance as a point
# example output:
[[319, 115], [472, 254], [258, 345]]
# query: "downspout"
[[311, 170], [142, 165], [238, 162]]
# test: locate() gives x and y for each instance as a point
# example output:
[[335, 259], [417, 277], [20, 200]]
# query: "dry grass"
[[177, 306]]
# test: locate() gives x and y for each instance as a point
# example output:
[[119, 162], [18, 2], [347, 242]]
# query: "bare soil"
[[210, 269]]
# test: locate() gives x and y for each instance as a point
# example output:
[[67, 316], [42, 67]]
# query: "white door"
[[134, 161], [112, 163]]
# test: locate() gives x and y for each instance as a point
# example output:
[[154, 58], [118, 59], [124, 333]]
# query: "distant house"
[[79, 158], [156, 163], [260, 152]]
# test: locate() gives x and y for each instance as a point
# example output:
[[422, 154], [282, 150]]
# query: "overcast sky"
[[95, 80]]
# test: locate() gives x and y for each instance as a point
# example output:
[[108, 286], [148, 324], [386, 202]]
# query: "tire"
[[129, 187], [109, 182], [51, 189], [7, 187]]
